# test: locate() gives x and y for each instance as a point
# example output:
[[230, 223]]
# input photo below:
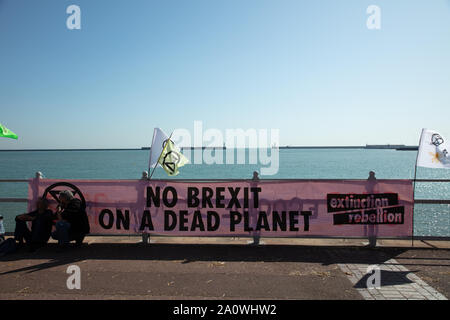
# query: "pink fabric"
[[333, 208]]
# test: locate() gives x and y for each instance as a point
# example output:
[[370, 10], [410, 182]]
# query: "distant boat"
[[384, 146], [408, 148], [203, 148], [190, 148]]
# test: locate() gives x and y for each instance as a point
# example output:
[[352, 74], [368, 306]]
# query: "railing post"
[[256, 236], [145, 236], [371, 228], [35, 187]]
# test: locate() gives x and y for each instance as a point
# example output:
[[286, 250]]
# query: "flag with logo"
[[165, 153], [433, 150], [6, 133]]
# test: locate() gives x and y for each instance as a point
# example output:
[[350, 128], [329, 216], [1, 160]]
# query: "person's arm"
[[26, 217], [58, 212], [70, 211], [50, 215]]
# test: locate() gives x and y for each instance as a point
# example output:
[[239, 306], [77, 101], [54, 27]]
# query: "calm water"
[[293, 163]]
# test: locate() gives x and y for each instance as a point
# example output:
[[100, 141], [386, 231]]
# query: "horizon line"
[[367, 146]]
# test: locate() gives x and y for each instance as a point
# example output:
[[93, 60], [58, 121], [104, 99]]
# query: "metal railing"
[[416, 201], [432, 201], [144, 176], [13, 200]]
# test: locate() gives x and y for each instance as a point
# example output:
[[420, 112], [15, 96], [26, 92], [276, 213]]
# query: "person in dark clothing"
[[71, 220], [41, 226]]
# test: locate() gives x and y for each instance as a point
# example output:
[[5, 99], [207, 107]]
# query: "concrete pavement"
[[217, 268]]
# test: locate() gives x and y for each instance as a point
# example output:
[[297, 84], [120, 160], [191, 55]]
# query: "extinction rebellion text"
[[381, 208]]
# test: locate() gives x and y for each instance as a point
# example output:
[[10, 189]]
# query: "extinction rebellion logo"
[[379, 208]]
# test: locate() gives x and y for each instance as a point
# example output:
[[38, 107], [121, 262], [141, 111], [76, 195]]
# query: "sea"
[[327, 163]]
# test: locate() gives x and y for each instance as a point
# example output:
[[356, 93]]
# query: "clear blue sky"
[[309, 68]]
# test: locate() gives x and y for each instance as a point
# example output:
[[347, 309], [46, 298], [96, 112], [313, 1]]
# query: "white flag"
[[170, 158], [433, 150], [159, 138]]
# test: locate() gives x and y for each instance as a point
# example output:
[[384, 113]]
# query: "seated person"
[[71, 220], [41, 226]]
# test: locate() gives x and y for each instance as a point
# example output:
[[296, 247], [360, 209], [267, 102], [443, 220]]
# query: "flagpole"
[[151, 149], [414, 187], [414, 196], [164, 149]]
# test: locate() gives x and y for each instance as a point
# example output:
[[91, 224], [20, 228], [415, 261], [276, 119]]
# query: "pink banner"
[[272, 208]]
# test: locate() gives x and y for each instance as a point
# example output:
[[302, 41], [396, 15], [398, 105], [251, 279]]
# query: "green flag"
[[6, 133], [171, 158]]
